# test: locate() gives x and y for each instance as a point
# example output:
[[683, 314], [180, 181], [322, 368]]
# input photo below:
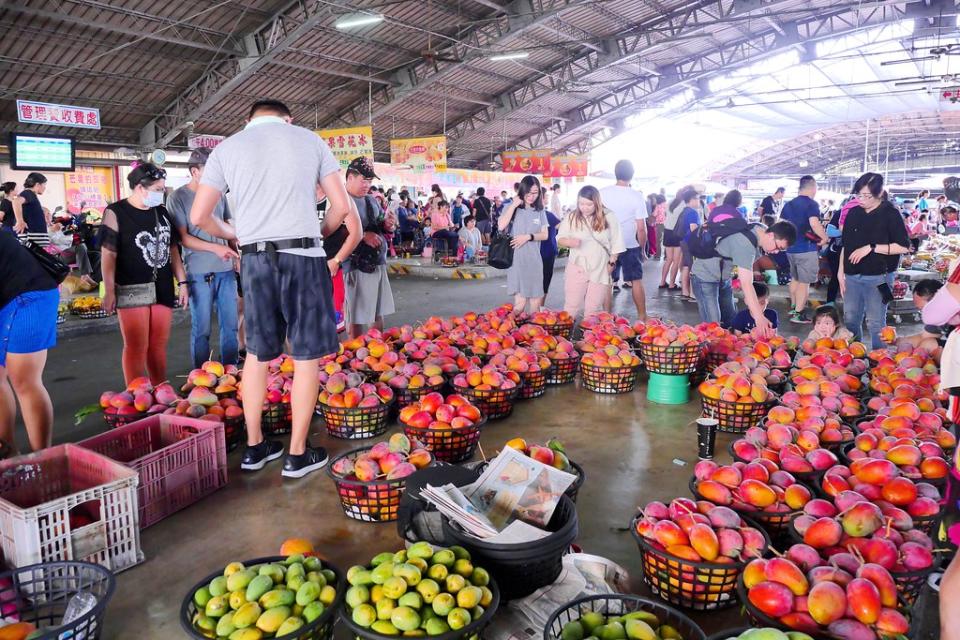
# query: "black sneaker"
[[257, 456], [616, 289], [801, 317], [307, 462]]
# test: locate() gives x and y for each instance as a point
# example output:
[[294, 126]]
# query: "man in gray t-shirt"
[[272, 170], [210, 265], [711, 278]]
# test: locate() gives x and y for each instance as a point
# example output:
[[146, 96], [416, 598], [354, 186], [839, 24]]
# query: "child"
[[826, 324], [744, 322], [470, 237]]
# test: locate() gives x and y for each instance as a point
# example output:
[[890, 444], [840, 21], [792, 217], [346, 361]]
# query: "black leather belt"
[[272, 246]]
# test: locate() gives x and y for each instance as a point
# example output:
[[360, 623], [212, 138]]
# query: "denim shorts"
[[630, 262], [28, 323], [288, 297]]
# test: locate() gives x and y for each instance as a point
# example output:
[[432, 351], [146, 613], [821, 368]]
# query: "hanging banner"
[[421, 154], [347, 144], [60, 115], [88, 188], [536, 161], [568, 166]]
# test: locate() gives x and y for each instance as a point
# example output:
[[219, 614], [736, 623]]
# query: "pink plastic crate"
[[180, 460], [68, 503]]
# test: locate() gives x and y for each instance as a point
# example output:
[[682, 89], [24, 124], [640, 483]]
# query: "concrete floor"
[[631, 451]]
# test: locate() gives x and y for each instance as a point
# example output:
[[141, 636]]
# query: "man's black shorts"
[[288, 297]]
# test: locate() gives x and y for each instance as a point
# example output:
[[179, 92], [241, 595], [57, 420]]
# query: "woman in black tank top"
[[141, 246]]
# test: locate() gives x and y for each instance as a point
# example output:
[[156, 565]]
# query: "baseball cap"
[[363, 166], [199, 157]]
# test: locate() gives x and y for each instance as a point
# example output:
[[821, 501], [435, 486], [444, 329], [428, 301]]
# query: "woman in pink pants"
[[592, 234]]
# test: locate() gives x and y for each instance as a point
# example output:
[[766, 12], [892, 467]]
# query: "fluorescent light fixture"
[[352, 20], [511, 55]]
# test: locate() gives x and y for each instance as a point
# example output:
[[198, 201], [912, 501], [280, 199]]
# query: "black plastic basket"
[[562, 329], [39, 594], [714, 360], [910, 583], [472, 631], [574, 489], [563, 370], [320, 629], [373, 501], [617, 605], [776, 525], [277, 419], [701, 586], [493, 403], [233, 431], [678, 360], [448, 445], [520, 569], [114, 420], [851, 420], [355, 423], [92, 315], [736, 417], [534, 383], [608, 379]]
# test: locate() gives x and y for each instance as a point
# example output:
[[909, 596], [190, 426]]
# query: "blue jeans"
[[715, 300], [862, 300], [206, 291]]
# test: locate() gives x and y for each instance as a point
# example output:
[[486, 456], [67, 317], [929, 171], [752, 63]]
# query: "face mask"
[[153, 199]]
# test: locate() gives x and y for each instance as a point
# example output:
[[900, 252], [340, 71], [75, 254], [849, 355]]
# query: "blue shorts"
[[28, 323], [631, 265]]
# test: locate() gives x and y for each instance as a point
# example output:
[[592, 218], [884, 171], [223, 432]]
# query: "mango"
[[251, 633], [312, 563], [460, 552], [639, 630], [420, 550], [217, 606], [258, 586], [436, 626], [438, 572], [317, 578], [405, 619], [381, 558], [863, 600], [385, 607], [394, 587], [411, 599], [218, 586], [307, 593], [446, 557], [704, 541], [572, 631], [463, 567], [487, 597], [363, 577], [419, 563], [313, 611], [827, 602], [381, 572], [239, 580], [459, 618], [443, 604], [237, 599], [787, 573], [294, 582], [225, 624], [364, 615], [428, 590], [669, 633], [480, 577], [246, 615], [329, 575], [357, 596], [289, 625], [409, 573], [277, 598], [385, 627], [205, 623], [469, 597], [275, 572], [591, 621], [327, 595], [201, 597], [271, 619]]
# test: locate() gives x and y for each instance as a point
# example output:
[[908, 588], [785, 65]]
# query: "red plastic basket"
[[69, 503], [180, 460], [448, 445], [114, 420], [563, 370], [355, 423]]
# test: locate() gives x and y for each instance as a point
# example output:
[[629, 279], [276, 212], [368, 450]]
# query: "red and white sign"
[[204, 141], [58, 115], [950, 95]]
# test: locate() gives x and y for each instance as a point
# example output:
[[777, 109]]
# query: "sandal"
[[664, 286], [675, 287]]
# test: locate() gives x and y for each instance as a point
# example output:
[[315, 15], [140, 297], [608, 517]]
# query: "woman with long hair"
[[672, 235], [31, 219], [592, 233], [140, 259], [874, 237], [526, 220], [657, 206]]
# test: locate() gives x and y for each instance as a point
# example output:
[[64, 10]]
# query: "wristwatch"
[[531, 237], [873, 247]]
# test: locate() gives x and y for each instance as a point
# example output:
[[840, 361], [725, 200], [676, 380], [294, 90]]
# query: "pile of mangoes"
[[265, 600], [420, 588], [636, 625]]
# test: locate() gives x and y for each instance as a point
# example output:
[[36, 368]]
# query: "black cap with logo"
[[363, 166]]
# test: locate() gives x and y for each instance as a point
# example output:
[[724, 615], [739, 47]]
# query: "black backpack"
[[703, 241]]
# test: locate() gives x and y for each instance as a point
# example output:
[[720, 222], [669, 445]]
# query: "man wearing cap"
[[210, 263], [369, 296], [271, 169]]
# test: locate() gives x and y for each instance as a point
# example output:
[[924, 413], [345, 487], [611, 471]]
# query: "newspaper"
[[516, 486], [451, 502], [582, 575]]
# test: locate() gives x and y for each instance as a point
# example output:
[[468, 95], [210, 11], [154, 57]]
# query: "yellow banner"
[[88, 188], [421, 154], [347, 144]]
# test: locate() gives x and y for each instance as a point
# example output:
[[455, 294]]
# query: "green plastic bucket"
[[668, 389]]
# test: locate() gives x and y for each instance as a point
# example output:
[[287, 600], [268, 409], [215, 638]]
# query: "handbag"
[[500, 253], [50, 263], [366, 258], [145, 294]]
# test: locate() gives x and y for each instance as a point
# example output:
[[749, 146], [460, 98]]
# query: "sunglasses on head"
[[155, 173]]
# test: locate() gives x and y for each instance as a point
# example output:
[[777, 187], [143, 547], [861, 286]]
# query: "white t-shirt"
[[629, 206]]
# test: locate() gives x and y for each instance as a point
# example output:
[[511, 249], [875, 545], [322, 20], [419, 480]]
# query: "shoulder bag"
[[366, 258], [50, 263], [500, 254], [145, 294]]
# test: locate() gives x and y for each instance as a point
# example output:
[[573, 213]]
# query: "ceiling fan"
[[433, 56]]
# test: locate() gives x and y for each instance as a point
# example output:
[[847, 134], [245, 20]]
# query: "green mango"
[[380, 558], [458, 618], [437, 626], [329, 575], [460, 552], [400, 556], [275, 571], [411, 599], [246, 616], [591, 620], [277, 598], [250, 633], [446, 557], [317, 578], [289, 625], [217, 606], [385, 627], [313, 611], [328, 594], [205, 622], [296, 558], [259, 586], [480, 577], [639, 630], [312, 563], [669, 633], [240, 580], [271, 619], [612, 631], [356, 596], [201, 597], [405, 618], [420, 550], [225, 624], [364, 615], [218, 586], [381, 572], [428, 590], [307, 593], [650, 618], [385, 607]]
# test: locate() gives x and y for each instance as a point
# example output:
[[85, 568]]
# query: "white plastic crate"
[[68, 503]]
